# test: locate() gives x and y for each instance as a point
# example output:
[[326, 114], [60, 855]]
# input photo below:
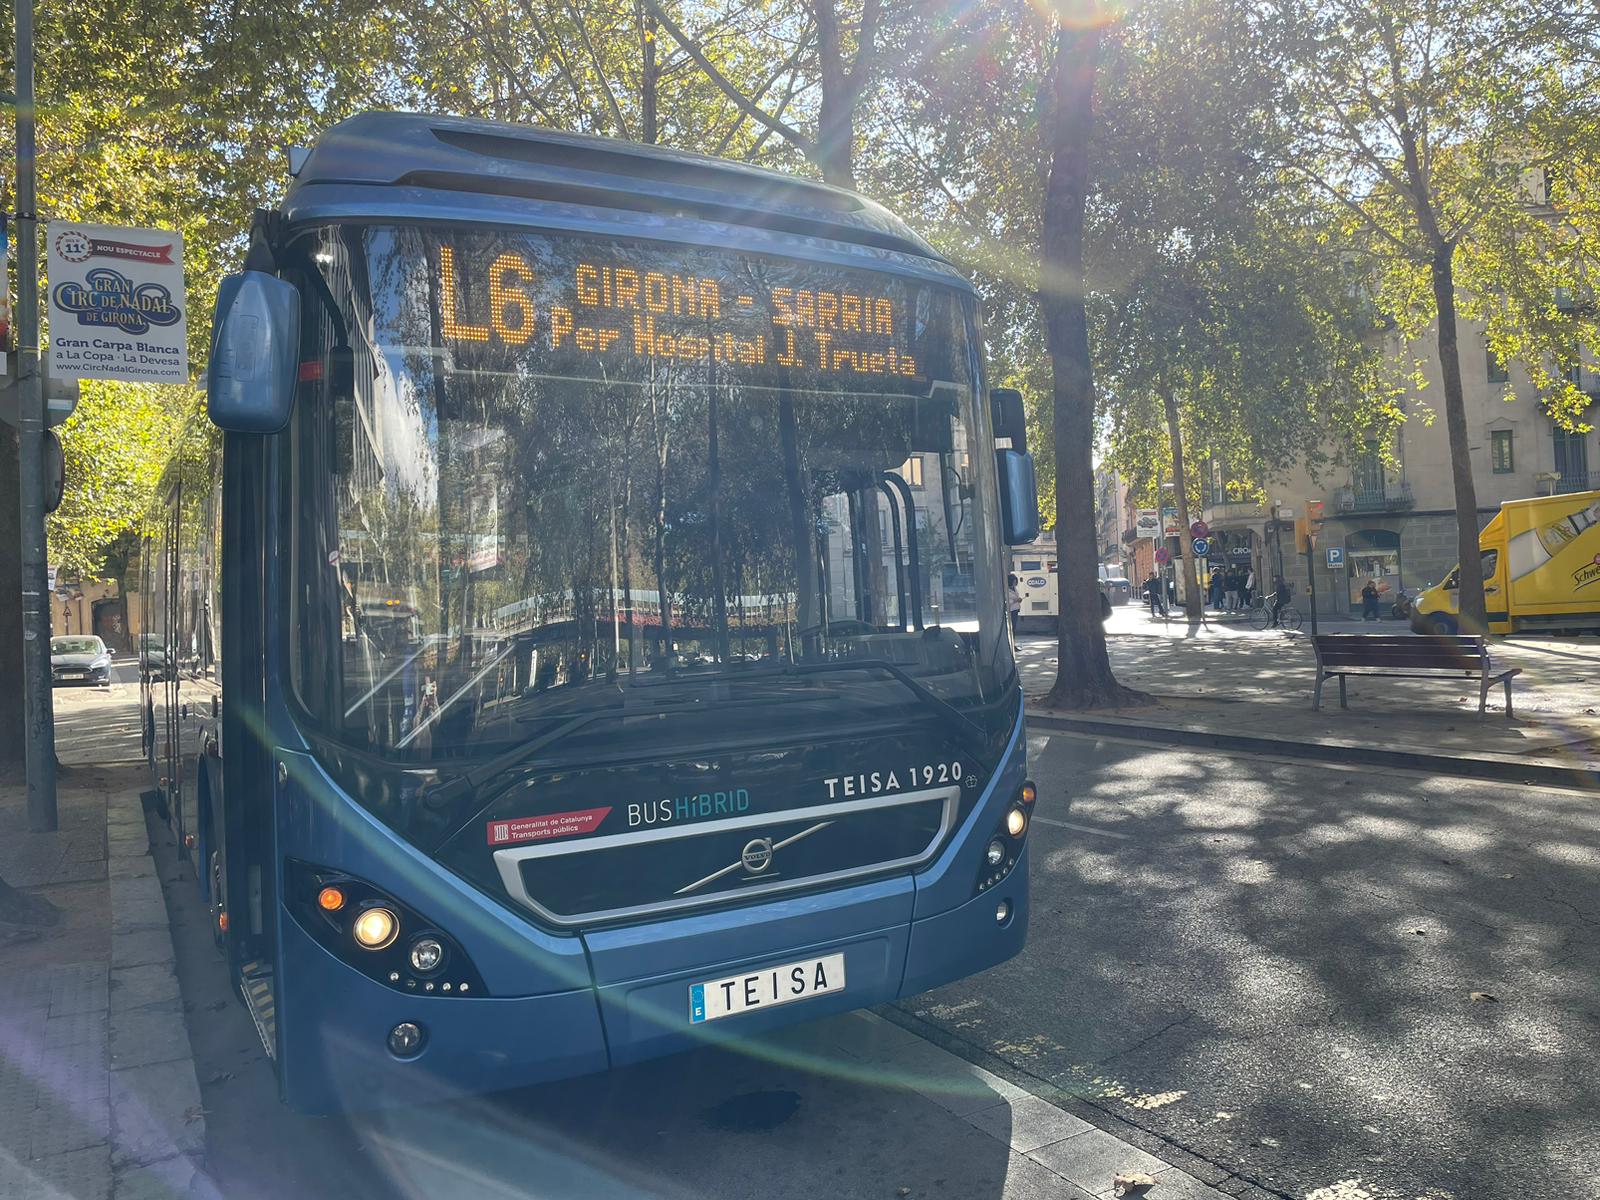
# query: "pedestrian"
[[1234, 587], [1013, 604], [1369, 601], [1152, 593], [1216, 587], [1280, 597], [1249, 589]]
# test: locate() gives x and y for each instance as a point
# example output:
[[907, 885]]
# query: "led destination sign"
[[565, 301]]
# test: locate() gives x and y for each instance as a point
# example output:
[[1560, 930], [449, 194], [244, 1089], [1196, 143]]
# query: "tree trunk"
[[1083, 678], [1470, 575], [1180, 484], [650, 76], [836, 108]]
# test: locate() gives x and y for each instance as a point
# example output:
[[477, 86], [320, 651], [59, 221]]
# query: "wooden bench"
[[1403, 656]]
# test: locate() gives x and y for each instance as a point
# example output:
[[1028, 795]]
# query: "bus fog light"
[[376, 928], [1016, 821], [426, 955], [405, 1040], [994, 854], [1029, 792], [1002, 912]]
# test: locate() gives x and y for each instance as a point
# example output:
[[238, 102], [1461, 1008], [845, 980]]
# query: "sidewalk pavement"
[[1248, 687], [98, 1097]]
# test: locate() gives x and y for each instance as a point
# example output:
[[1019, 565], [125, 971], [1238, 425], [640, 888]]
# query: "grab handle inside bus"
[[255, 350]]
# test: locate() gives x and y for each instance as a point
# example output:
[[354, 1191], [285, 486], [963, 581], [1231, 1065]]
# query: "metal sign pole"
[[1311, 574], [40, 730]]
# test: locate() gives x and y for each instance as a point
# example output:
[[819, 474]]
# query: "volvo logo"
[[756, 855]]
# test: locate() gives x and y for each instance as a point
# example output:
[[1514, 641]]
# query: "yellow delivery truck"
[[1541, 570]]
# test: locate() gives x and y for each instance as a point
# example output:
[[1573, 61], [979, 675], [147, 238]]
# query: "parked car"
[[79, 658]]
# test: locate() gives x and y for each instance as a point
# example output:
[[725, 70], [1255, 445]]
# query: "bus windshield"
[[535, 474]]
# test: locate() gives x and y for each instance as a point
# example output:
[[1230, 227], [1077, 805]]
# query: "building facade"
[[1395, 522]]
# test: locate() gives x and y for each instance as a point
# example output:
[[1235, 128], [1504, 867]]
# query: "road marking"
[[1082, 828]]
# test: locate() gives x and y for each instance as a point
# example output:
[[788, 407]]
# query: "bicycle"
[[1261, 615]]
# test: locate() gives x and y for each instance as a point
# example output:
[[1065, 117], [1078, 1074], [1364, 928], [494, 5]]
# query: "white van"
[[1035, 569]]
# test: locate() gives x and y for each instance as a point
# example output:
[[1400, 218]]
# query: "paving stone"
[[75, 1029], [142, 947], [60, 1124], [76, 1175], [19, 1093], [1090, 1159], [1027, 1123], [1180, 1185], [22, 990], [80, 871], [154, 1113], [167, 1180], [140, 898], [146, 1035], [77, 1070], [950, 1082], [149, 986], [131, 867], [79, 988]]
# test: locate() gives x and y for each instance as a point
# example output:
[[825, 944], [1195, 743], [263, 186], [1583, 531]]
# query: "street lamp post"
[[40, 717]]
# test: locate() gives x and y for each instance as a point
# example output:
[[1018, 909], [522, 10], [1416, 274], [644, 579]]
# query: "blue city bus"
[[583, 614]]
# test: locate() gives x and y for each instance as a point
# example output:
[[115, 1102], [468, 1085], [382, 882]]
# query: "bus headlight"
[[378, 935], [426, 955], [1016, 821], [995, 853], [375, 929]]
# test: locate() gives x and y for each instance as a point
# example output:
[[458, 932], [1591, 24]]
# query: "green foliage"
[[116, 444]]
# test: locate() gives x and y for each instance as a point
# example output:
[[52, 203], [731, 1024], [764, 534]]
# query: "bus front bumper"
[[340, 1060]]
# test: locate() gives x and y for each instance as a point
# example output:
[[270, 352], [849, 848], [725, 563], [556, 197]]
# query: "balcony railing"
[[1382, 497], [1578, 482]]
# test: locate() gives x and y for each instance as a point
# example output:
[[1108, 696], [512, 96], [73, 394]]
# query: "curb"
[[158, 1128], [991, 1068], [1506, 768]]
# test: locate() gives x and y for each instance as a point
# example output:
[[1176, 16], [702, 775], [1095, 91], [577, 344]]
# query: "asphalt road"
[[1272, 964]]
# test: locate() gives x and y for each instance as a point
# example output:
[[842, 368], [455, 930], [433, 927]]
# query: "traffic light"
[[1307, 526]]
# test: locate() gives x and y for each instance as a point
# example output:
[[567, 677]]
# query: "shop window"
[[1372, 554]]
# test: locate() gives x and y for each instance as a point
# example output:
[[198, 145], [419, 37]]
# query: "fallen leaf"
[[1512, 876], [1420, 932], [902, 1191], [220, 1077], [1485, 998], [1131, 1183], [194, 1113]]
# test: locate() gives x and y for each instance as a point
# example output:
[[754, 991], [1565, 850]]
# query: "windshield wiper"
[[973, 735]]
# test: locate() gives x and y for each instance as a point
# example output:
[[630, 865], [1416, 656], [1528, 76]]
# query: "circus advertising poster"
[[116, 303]]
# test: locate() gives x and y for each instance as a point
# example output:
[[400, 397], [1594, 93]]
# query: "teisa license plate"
[[765, 988]]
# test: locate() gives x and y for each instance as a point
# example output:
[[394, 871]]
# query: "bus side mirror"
[[1010, 421], [1019, 497], [255, 353]]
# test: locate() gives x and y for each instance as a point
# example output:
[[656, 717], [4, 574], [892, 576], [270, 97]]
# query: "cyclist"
[[1280, 597]]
